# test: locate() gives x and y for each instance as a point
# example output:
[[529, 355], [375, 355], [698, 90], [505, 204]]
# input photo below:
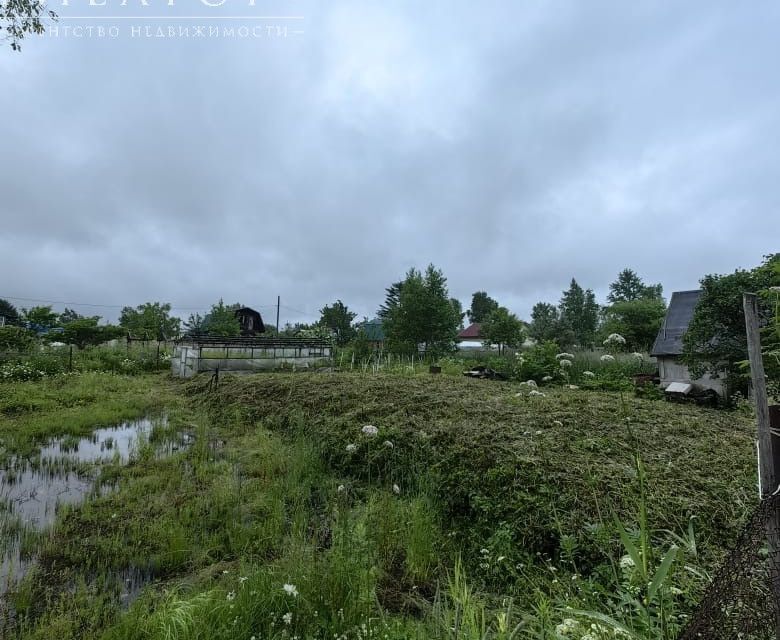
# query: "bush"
[[16, 339]]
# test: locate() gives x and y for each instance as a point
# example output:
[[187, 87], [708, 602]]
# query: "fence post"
[[70, 359], [158, 354], [768, 448]]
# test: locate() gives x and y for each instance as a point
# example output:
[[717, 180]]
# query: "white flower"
[[388, 444], [341, 488], [567, 626], [568, 356], [626, 562], [242, 579], [614, 338], [370, 430], [565, 364], [572, 386], [607, 358], [484, 552], [588, 374], [396, 489], [530, 383], [351, 448], [557, 423], [231, 596], [538, 433], [535, 393], [290, 590], [287, 617], [637, 355], [547, 378]]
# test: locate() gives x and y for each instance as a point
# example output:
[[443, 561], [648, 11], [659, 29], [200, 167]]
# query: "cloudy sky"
[[514, 144]]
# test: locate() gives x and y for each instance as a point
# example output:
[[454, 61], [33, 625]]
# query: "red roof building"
[[471, 333]]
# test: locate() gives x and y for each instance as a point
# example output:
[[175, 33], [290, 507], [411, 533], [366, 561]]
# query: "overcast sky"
[[513, 144]]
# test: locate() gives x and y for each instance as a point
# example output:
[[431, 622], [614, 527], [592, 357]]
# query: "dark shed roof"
[[678, 316]]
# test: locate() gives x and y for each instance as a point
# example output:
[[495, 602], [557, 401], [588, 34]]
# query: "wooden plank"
[[768, 477]]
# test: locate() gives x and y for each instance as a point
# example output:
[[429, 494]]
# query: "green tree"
[[545, 322], [22, 17], [457, 307], [221, 320], [150, 321], [579, 314], [338, 318], [8, 312], [194, 324], [42, 317], [716, 340], [423, 316], [638, 321], [87, 331], [482, 305], [629, 287], [392, 297], [69, 315], [504, 329]]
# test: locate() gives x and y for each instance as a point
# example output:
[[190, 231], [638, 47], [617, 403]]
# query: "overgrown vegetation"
[[362, 505]]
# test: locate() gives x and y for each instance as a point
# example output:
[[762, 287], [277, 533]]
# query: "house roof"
[[373, 330], [669, 341], [472, 332]]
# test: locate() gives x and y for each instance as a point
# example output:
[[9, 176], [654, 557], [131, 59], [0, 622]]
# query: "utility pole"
[[278, 302]]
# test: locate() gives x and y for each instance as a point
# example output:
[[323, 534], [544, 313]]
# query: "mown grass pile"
[[517, 472]]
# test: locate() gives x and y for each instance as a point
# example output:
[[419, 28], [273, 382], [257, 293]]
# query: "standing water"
[[31, 491]]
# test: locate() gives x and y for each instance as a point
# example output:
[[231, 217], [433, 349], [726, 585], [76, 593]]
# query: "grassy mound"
[[521, 475]]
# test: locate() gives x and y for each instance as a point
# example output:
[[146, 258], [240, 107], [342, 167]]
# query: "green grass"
[[76, 405], [487, 517]]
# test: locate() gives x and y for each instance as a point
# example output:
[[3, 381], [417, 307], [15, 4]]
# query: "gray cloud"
[[515, 145]]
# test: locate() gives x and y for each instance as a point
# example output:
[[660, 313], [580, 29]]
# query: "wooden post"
[[768, 448], [769, 472], [70, 359], [278, 304]]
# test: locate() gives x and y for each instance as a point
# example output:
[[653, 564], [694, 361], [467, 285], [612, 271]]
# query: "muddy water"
[[32, 491]]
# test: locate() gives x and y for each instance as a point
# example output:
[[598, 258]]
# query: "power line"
[[122, 306]]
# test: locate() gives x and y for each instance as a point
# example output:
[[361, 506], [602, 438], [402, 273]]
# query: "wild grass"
[[488, 515]]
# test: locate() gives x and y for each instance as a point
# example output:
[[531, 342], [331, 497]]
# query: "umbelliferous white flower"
[[287, 617], [290, 590], [568, 356], [572, 386], [396, 489], [370, 430], [614, 339], [588, 374], [547, 378], [341, 488], [607, 358], [626, 562], [637, 355], [529, 383], [388, 444], [535, 393], [565, 363], [557, 423], [351, 447]]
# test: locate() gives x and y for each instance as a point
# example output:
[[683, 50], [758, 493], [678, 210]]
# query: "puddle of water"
[[31, 492]]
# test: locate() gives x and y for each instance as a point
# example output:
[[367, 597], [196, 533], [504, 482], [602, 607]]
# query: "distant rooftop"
[[678, 316], [472, 332]]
